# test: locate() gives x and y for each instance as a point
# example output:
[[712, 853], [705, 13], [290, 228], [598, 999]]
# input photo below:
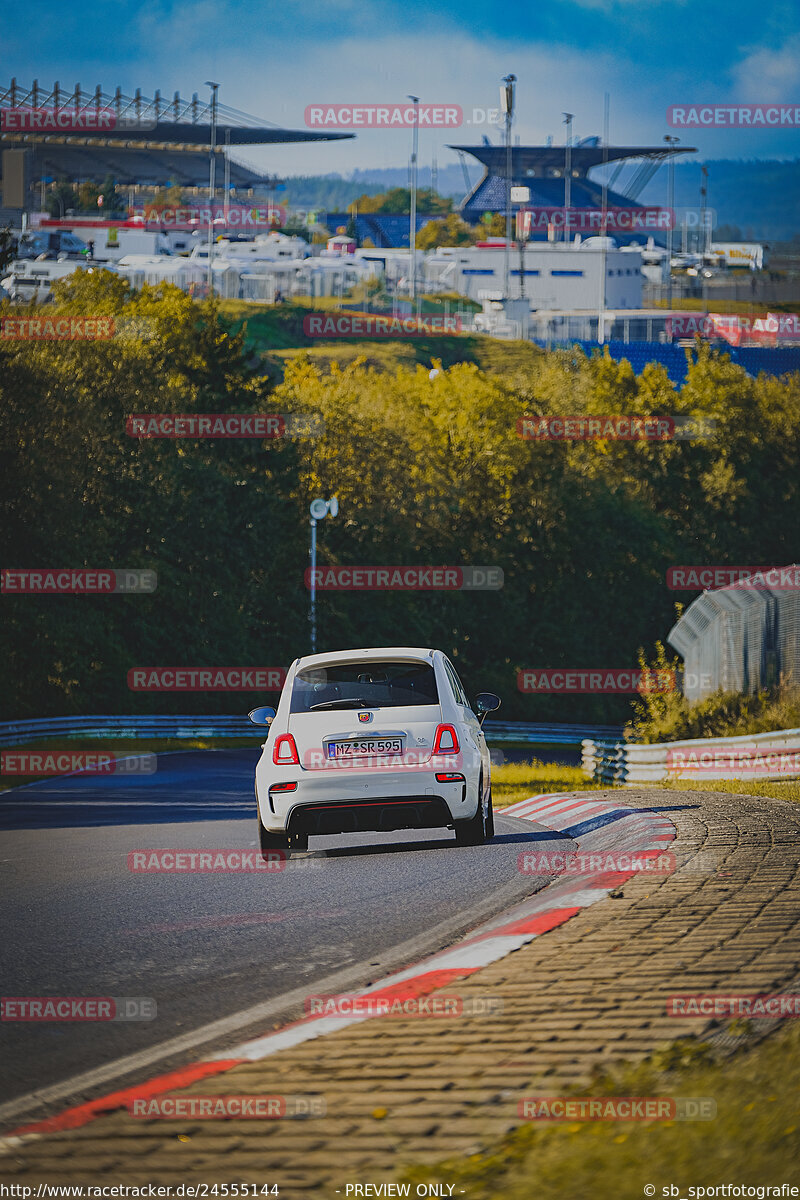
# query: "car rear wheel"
[[270, 842], [476, 830]]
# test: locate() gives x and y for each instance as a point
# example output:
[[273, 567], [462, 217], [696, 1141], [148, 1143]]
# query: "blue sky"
[[272, 59]]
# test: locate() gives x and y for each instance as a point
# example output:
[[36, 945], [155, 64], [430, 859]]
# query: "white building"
[[556, 275], [394, 263]]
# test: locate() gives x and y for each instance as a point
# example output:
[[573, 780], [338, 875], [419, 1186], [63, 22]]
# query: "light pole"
[[671, 142], [522, 195], [601, 304], [704, 216], [319, 510], [227, 177], [704, 252], [567, 173], [412, 231], [507, 106], [211, 189]]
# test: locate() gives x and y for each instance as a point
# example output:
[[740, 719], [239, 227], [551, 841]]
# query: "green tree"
[[584, 532], [398, 200], [87, 196], [450, 231], [61, 198], [113, 202], [8, 247]]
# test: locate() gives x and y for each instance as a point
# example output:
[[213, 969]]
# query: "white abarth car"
[[377, 739]]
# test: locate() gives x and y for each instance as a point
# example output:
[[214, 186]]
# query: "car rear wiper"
[[351, 703]]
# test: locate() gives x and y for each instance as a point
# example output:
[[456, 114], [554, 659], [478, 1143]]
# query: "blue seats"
[[773, 361]]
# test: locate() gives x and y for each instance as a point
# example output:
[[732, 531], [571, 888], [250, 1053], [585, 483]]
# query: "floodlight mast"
[[672, 142], [211, 180], [319, 509], [412, 227], [507, 106]]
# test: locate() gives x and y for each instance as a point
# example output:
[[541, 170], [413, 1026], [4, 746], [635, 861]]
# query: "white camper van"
[[33, 279]]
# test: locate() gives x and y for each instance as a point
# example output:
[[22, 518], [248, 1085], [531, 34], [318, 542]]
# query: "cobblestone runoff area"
[[591, 992]]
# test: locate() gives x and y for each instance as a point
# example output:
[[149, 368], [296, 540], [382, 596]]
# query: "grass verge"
[[712, 303], [276, 333], [774, 788], [754, 1139], [512, 782]]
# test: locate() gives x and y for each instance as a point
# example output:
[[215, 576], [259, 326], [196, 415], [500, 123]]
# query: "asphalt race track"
[[207, 947]]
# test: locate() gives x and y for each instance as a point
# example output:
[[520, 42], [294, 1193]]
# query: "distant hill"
[[760, 197], [334, 192]]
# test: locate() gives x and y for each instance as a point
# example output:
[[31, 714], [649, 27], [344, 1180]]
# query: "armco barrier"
[[633, 763], [16, 733]]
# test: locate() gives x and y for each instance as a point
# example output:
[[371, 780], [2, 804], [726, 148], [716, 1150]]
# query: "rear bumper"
[[342, 801], [379, 815]]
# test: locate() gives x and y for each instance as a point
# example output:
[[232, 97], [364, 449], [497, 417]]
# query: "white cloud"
[[769, 75], [277, 81]]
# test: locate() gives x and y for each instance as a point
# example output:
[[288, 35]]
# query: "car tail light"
[[284, 753], [283, 787], [446, 740], [449, 777]]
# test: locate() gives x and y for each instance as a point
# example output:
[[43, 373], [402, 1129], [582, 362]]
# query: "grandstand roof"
[[542, 170], [543, 159], [137, 119]]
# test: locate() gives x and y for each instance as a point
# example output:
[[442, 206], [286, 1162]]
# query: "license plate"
[[365, 746]]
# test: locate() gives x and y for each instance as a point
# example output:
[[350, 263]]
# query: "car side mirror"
[[486, 702], [262, 716]]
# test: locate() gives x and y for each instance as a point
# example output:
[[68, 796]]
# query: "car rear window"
[[371, 684]]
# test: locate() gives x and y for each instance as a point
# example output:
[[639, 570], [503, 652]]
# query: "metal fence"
[[740, 638], [774, 755], [16, 733]]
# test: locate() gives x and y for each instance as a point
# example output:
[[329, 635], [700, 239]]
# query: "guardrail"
[[16, 733], [774, 755], [546, 735]]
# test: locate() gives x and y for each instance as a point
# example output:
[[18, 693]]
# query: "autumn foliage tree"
[[427, 471]]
